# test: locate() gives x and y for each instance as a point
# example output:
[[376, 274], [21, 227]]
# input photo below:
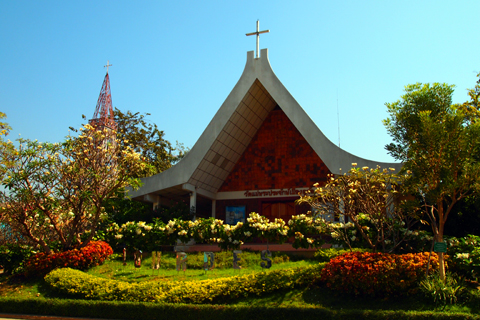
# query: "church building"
[[257, 154]]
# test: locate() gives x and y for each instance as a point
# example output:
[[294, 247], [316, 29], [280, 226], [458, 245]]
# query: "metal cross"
[[258, 32], [108, 65]]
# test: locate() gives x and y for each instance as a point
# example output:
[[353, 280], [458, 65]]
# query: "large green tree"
[[133, 129], [439, 143]]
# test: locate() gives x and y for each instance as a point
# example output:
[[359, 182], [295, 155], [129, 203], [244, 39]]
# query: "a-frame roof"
[[209, 162]]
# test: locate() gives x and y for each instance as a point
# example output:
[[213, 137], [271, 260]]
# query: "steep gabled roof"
[[229, 133]]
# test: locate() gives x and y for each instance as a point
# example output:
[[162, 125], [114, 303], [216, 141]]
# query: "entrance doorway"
[[279, 210]]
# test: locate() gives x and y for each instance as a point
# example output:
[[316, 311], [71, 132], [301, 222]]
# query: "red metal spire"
[[103, 116]]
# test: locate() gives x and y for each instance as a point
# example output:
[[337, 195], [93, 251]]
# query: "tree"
[[134, 130], [54, 193], [370, 200], [6, 147], [147, 140], [439, 142]]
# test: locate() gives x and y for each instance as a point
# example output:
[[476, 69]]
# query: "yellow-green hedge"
[[77, 284]]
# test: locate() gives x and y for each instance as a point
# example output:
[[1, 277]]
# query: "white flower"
[[462, 255], [138, 231], [119, 236]]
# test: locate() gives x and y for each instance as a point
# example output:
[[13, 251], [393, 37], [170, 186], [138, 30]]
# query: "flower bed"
[[91, 255], [376, 274]]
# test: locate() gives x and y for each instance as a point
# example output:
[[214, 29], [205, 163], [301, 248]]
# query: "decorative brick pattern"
[[277, 157]]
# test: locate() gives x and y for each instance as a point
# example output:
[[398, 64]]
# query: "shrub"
[[78, 284], [376, 274], [465, 256], [91, 255], [13, 256], [325, 255], [443, 292]]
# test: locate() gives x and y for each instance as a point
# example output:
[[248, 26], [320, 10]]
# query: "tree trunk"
[[441, 223]]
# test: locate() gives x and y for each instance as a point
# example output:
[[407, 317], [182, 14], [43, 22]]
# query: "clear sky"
[[179, 60]]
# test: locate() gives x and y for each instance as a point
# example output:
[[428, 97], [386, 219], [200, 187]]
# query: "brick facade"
[[278, 157]]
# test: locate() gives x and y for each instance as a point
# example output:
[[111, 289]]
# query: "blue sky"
[[179, 60]]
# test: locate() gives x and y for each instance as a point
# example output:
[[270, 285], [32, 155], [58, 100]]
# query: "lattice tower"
[[103, 116]]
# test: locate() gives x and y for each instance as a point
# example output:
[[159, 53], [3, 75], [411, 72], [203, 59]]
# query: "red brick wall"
[[277, 157]]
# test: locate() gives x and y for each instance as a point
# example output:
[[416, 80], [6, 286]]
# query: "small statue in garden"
[[207, 267], [137, 257], [181, 261], [156, 258], [236, 259], [124, 256], [265, 257]]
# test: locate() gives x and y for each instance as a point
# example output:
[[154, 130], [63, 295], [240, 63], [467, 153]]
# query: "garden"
[[93, 281]]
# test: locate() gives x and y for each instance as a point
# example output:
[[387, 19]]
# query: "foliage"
[[120, 209], [135, 131], [83, 258], [369, 199], [443, 292], [438, 142], [6, 147], [148, 141], [176, 210], [376, 274], [78, 284], [13, 256], [465, 256], [325, 255], [55, 192], [258, 311], [306, 231], [150, 237]]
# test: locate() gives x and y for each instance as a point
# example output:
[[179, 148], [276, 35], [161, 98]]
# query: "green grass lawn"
[[250, 263]]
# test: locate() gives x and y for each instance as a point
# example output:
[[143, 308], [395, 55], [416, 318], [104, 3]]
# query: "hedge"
[[77, 284], [158, 311]]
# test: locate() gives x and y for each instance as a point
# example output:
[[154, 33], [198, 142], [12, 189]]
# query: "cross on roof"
[[258, 32], [108, 65]]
